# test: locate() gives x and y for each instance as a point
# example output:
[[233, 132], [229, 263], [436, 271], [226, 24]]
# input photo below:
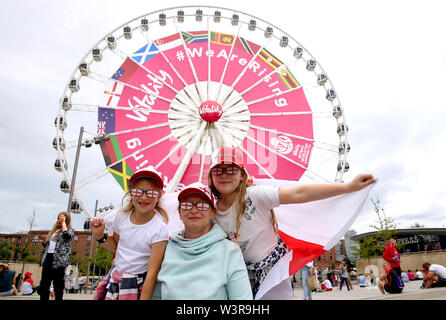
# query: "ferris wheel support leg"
[[73, 180]]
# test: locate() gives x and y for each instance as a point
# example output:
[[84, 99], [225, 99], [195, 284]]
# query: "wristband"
[[103, 239]]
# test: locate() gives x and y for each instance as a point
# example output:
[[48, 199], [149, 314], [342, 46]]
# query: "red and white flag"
[[169, 42], [309, 229]]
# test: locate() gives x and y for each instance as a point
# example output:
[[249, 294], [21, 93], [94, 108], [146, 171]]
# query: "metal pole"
[[73, 180], [91, 250]]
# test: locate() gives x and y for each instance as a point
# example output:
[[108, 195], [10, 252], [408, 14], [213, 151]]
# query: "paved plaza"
[[411, 291]]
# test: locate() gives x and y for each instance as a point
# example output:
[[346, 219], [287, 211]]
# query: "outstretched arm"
[[313, 192]]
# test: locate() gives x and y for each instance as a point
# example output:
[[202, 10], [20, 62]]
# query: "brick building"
[[334, 255], [81, 243]]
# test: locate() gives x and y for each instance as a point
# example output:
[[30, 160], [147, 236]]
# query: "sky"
[[387, 60]]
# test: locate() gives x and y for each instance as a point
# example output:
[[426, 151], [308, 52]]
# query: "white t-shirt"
[[27, 288], [344, 272], [439, 270], [420, 275], [52, 245], [327, 284], [135, 241], [256, 235]]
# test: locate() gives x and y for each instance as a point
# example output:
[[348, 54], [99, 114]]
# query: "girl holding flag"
[[245, 212]]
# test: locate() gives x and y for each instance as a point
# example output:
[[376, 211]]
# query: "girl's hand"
[[98, 227], [361, 181]]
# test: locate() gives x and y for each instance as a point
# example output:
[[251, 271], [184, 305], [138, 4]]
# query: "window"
[[89, 238], [76, 238], [74, 244], [88, 244]]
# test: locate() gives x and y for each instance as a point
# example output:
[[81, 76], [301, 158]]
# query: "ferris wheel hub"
[[210, 111]]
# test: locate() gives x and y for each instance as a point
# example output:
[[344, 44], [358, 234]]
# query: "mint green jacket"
[[207, 268]]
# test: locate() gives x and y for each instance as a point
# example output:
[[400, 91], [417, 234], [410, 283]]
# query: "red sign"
[[210, 111]]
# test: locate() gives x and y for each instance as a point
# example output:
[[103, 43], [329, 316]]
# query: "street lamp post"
[[89, 256], [88, 143], [94, 244]]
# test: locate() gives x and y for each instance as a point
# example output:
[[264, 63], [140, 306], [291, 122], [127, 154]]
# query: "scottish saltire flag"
[[145, 53], [309, 230]]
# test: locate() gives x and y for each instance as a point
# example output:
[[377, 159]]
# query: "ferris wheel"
[[170, 87]]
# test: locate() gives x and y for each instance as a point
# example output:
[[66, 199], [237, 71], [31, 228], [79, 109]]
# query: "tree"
[[5, 250], [25, 252], [385, 222], [385, 227], [368, 247], [417, 225], [103, 259]]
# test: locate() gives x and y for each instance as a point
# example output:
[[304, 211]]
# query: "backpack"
[[350, 265], [398, 281]]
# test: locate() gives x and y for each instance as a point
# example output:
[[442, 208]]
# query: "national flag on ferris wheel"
[[120, 170], [169, 42], [195, 36], [101, 127], [246, 45], [145, 53], [126, 71], [106, 120], [113, 94], [222, 38]]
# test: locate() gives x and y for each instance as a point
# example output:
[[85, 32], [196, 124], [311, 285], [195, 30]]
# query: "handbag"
[[311, 283]]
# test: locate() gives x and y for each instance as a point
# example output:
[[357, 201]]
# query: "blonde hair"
[[241, 202], [56, 226], [130, 207]]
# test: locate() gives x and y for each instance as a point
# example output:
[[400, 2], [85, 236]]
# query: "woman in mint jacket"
[[200, 263]]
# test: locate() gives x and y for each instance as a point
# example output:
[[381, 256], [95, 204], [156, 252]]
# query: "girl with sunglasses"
[[138, 235], [246, 212], [200, 263]]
